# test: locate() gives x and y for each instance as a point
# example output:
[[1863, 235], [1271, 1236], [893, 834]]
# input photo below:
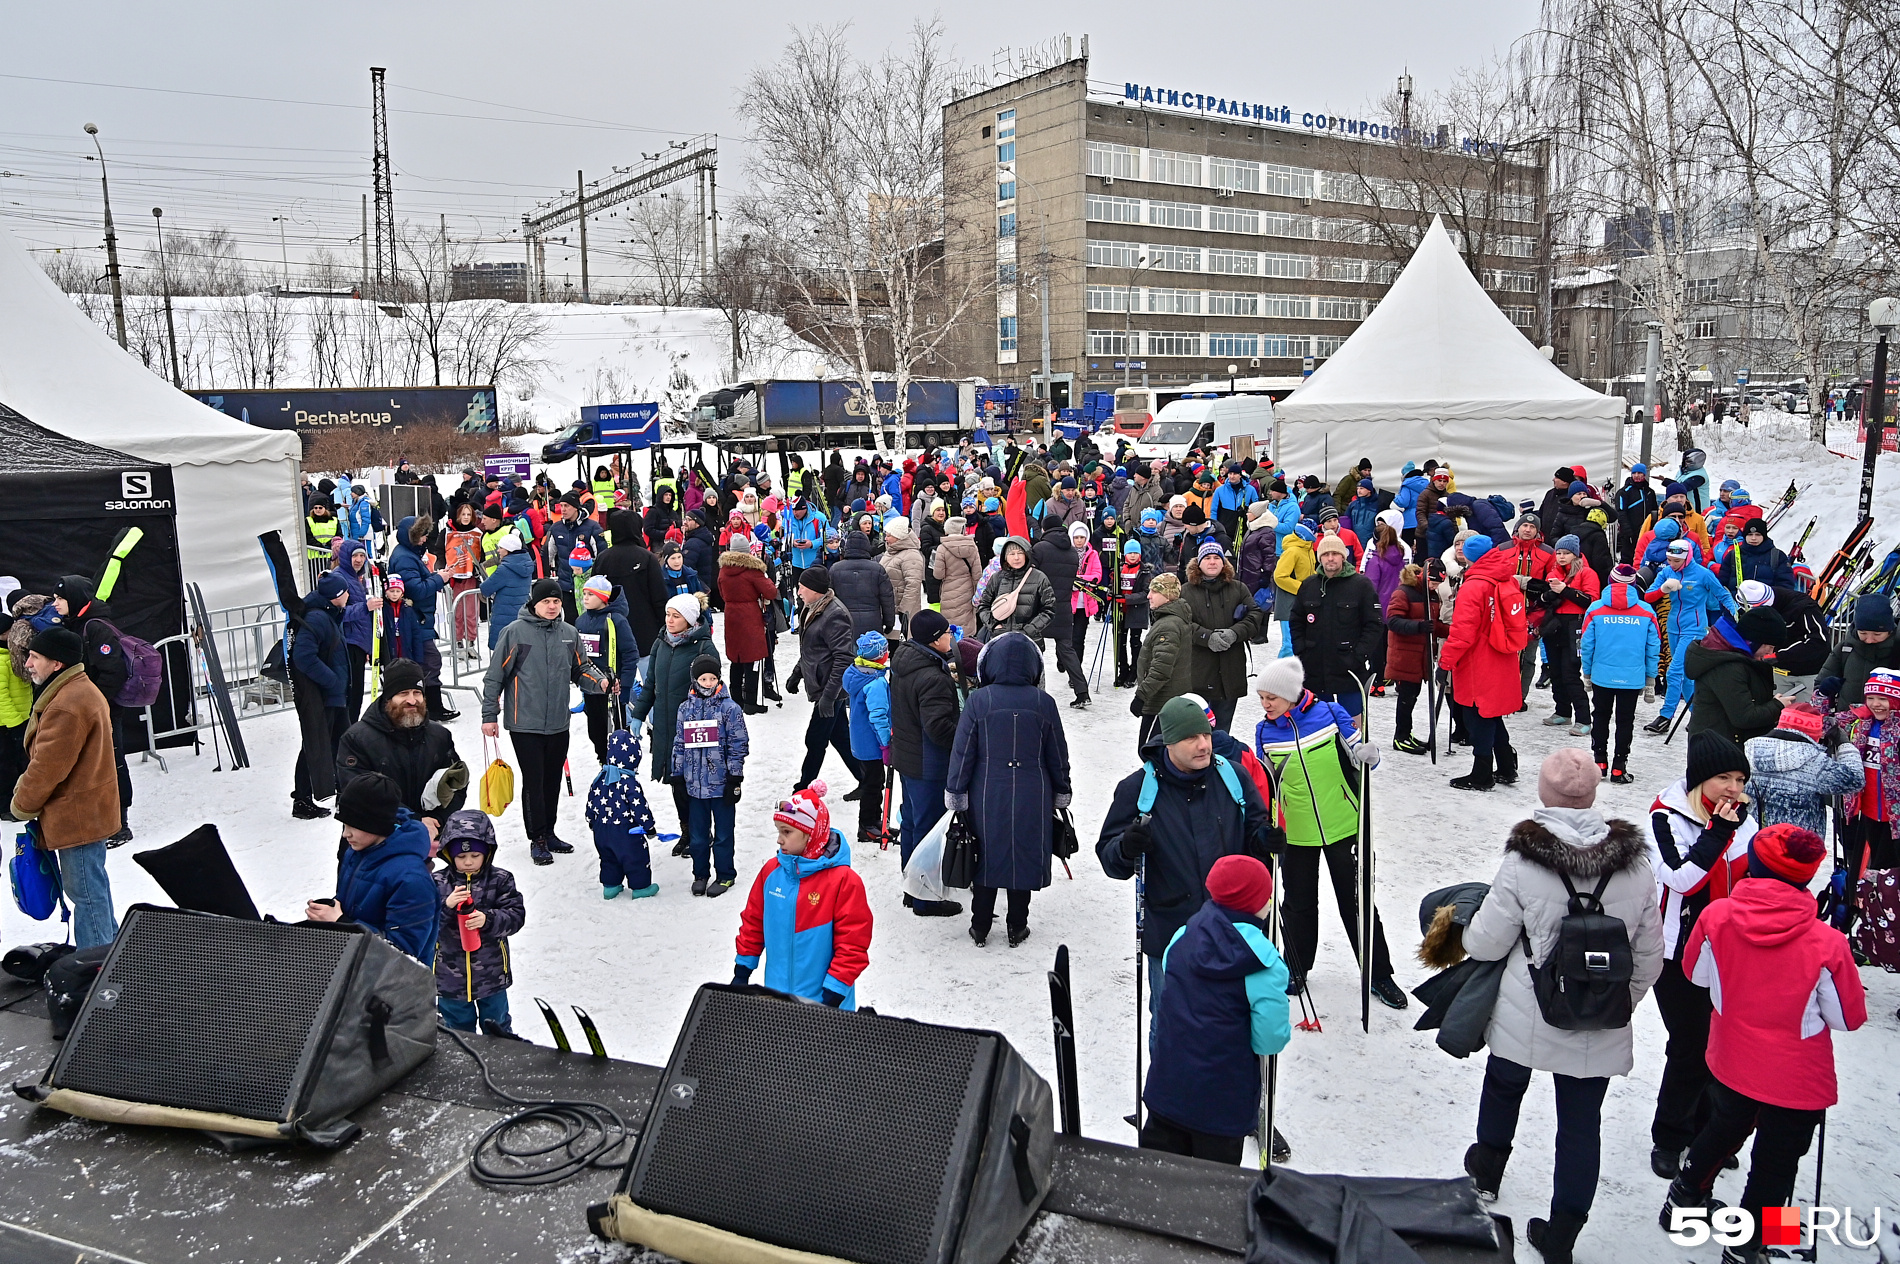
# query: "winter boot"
[[768, 681], [1543, 677], [1557, 721], [1603, 769], [645, 892], [683, 849], [1554, 1238], [980, 933], [1506, 756], [1620, 776], [1659, 725], [1682, 1194], [1665, 1163], [1409, 745], [555, 845], [699, 886], [438, 710], [718, 888], [304, 808], [538, 852], [1479, 778], [1580, 729], [608, 893], [1485, 1166], [1080, 702], [1017, 934], [1389, 993]]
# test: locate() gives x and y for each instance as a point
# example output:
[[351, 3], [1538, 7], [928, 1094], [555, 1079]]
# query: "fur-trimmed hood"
[[1578, 842], [744, 561]]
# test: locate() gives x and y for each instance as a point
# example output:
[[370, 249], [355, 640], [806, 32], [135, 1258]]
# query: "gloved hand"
[[1828, 687], [793, 681], [1364, 754], [1220, 640], [825, 707], [1586, 683], [741, 975], [1271, 841], [1671, 584], [833, 999], [677, 779], [1134, 706], [884, 753], [1138, 838], [733, 785]]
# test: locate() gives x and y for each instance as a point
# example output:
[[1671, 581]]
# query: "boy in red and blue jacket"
[[807, 915]]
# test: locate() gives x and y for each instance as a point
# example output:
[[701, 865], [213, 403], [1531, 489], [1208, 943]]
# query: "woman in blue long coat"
[[1009, 771]]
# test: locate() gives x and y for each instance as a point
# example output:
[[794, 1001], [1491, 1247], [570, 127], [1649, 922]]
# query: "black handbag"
[[959, 854], [775, 621], [1062, 840]]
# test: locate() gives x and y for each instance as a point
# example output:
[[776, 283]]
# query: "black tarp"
[[62, 505]]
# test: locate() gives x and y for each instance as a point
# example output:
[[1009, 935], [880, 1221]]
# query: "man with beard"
[[395, 737]]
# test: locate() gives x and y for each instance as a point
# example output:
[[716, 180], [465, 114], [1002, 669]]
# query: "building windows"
[[1006, 333], [1114, 254], [1285, 345], [1339, 309], [1111, 298], [1354, 231], [1702, 329], [1109, 341], [1522, 317], [1521, 207], [1233, 303], [1167, 167], [1179, 302], [1288, 306], [1005, 190], [1006, 274], [1515, 247], [1703, 290], [1005, 124], [1112, 210], [1175, 214], [1283, 265], [1338, 186], [1006, 225], [1117, 162], [1326, 346], [1383, 271], [1233, 173], [1174, 342], [1234, 262], [1563, 361], [1224, 219], [1176, 258], [1286, 181], [1510, 282], [1342, 269], [1281, 224], [1233, 344], [1006, 152]]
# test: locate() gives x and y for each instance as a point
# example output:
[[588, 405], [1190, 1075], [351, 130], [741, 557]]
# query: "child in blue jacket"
[[1621, 647], [710, 745], [622, 822], [868, 688], [1222, 1008]]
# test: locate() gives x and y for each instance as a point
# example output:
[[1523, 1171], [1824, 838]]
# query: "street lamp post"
[[1652, 399], [112, 239], [165, 284], [1883, 314]]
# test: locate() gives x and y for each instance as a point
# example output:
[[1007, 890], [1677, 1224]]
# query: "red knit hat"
[[1788, 852], [1240, 883], [806, 812], [1804, 720]]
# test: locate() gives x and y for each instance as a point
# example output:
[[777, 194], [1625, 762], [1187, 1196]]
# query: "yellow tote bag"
[[498, 784]]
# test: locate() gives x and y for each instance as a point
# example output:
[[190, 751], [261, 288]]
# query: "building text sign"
[[1312, 120]]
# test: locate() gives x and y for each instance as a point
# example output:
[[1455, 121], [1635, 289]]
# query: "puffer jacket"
[[1165, 667], [957, 567], [1406, 501], [508, 585], [535, 660], [1734, 691], [1055, 557], [422, 761], [808, 918], [1222, 602], [358, 621], [925, 706], [668, 682], [1035, 598], [1009, 766], [744, 583], [1698, 598], [1482, 675], [608, 640], [903, 561], [864, 586], [387, 888], [1621, 645], [1337, 629], [716, 753], [1527, 900], [1853, 662], [1406, 640], [317, 651], [868, 690], [419, 583], [1790, 778], [1257, 556], [472, 976]]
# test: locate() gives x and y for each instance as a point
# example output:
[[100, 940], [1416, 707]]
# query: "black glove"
[[1270, 842], [677, 779], [1134, 706], [825, 707], [1138, 838], [732, 788], [833, 999], [1714, 840], [741, 975], [793, 681], [1828, 687]]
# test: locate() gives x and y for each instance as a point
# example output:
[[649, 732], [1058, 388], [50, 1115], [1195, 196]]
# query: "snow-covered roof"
[[1584, 279]]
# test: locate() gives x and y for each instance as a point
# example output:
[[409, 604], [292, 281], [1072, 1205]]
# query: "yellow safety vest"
[[324, 532], [604, 487]]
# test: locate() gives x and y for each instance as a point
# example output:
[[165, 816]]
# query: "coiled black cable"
[[588, 1135]]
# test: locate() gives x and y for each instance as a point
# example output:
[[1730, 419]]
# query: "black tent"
[[63, 505]]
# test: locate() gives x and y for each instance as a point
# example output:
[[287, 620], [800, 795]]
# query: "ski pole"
[[1366, 878], [567, 772], [1141, 913], [1820, 1161]]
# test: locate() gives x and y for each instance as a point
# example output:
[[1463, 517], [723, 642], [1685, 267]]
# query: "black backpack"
[[1584, 985]]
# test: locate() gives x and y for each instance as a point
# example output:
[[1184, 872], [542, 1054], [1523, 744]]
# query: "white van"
[[1208, 424]]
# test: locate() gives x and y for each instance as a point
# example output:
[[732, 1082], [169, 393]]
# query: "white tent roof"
[[233, 480], [1438, 370]]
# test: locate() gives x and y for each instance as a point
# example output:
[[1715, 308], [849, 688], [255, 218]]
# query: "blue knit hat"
[[872, 645], [1568, 544], [1579, 488], [1639, 468], [1476, 547], [330, 586], [1367, 484], [1209, 548], [1408, 469], [1675, 489], [1668, 529], [1131, 549], [1305, 530]]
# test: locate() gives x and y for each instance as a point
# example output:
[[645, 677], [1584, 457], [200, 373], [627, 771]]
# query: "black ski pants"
[[1682, 1101], [1623, 703], [832, 730], [1782, 1137], [541, 757], [1579, 1128], [1408, 699], [1566, 668], [1163, 1134], [1299, 884], [1069, 662]]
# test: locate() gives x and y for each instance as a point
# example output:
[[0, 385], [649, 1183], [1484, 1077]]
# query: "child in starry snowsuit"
[[622, 822]]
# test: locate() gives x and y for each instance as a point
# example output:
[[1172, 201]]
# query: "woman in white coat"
[[1527, 901]]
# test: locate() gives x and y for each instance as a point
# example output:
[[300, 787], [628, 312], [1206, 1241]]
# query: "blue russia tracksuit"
[[1690, 607]]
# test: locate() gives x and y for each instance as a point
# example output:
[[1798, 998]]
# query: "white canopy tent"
[[1437, 370], [232, 480]]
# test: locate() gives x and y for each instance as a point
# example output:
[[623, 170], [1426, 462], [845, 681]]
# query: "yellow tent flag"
[[498, 786]]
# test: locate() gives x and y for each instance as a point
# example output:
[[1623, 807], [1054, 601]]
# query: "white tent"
[[1438, 371], [232, 480]]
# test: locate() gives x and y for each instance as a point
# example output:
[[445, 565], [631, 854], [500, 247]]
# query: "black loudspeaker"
[[855, 1136], [259, 1029]]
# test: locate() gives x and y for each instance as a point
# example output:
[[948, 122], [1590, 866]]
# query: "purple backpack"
[[144, 670]]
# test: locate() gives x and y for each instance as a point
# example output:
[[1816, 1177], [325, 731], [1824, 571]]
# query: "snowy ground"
[[1386, 1103]]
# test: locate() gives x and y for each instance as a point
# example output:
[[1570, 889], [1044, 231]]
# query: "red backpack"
[[1506, 627]]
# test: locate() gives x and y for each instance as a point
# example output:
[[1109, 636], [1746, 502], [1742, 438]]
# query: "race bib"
[[590, 642], [1128, 583], [699, 734]]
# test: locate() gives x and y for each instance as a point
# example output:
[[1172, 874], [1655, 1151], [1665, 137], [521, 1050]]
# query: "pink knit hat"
[[807, 813]]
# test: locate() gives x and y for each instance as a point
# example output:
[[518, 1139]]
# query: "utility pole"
[[112, 240], [165, 284], [1883, 314], [1405, 104], [712, 212], [1652, 398], [699, 192], [282, 249], [365, 287], [580, 201], [384, 190]]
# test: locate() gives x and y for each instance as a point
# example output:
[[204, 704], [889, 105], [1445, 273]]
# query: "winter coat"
[[1482, 675], [1382, 568], [564, 537], [419, 583], [1596, 546], [1527, 900], [1035, 599], [1621, 646], [358, 621], [1803, 655], [1791, 776], [903, 562], [1316, 781], [387, 888], [868, 694], [1763, 561], [807, 916], [1780, 981], [1406, 639], [474, 976], [1194, 821], [414, 759], [607, 640], [1130, 587], [317, 650], [1295, 564], [1479, 515], [684, 582], [1223, 1009], [1054, 556], [615, 802], [864, 587], [1634, 505], [1406, 499], [1694, 863], [1564, 607], [1221, 603], [534, 662], [1362, 513], [743, 584], [1257, 557], [1460, 999], [1337, 629], [508, 586], [925, 707], [1165, 667], [701, 551], [70, 782], [1088, 571], [403, 633], [710, 743], [636, 573], [668, 682], [1009, 766], [1698, 598], [1853, 661], [1880, 761], [1734, 691], [957, 566]]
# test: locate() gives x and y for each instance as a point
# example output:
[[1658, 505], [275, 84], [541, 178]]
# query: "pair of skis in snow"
[[594, 1044]]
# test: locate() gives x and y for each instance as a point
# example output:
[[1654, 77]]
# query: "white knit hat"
[[1283, 677], [686, 605]]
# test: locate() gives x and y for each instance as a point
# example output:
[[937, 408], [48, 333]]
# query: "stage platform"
[[78, 1192]]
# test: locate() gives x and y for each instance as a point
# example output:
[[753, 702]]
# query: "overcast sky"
[[494, 106]]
